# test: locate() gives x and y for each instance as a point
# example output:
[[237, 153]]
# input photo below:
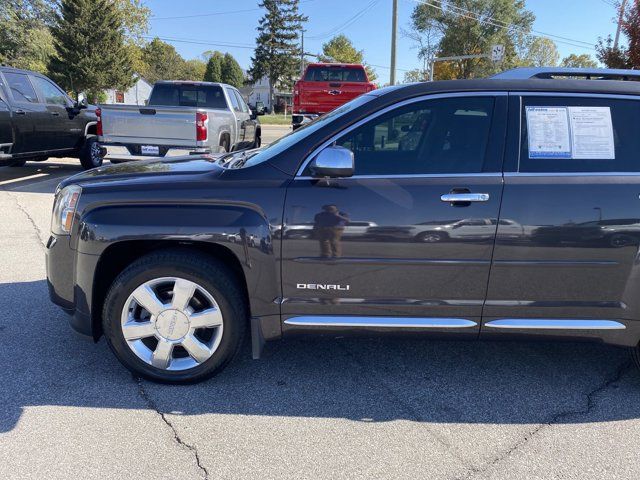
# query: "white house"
[[259, 92], [136, 95]]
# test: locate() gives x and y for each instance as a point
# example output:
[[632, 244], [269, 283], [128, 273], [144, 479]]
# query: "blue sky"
[[213, 27]]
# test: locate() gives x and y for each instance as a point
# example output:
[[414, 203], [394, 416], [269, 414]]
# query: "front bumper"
[[125, 153], [68, 290]]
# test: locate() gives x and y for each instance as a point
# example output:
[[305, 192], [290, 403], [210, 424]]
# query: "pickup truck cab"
[[38, 120], [180, 118], [531, 184], [325, 86]]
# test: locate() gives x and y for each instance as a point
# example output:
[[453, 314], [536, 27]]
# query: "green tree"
[[161, 61], [579, 61], [416, 75], [90, 48], [542, 52], [25, 40], [277, 53], [464, 27], [231, 71], [193, 70], [214, 67], [623, 56], [340, 49]]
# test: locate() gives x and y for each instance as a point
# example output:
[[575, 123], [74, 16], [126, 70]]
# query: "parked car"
[[325, 86], [180, 118], [158, 258], [38, 120]]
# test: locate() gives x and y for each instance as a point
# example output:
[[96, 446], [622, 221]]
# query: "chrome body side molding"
[[379, 322], [554, 324]]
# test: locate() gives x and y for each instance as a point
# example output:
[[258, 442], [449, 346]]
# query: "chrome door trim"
[[464, 197], [379, 322], [378, 113], [571, 174], [554, 324], [620, 96]]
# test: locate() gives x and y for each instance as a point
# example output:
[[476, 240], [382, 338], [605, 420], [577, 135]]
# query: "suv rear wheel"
[[175, 317]]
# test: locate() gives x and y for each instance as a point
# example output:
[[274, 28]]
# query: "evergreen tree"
[[277, 52], [213, 73], [91, 53], [231, 71]]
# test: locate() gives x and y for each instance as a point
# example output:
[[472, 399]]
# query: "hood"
[[161, 169]]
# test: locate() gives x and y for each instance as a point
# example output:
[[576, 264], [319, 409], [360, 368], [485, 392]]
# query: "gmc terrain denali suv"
[[486, 208]]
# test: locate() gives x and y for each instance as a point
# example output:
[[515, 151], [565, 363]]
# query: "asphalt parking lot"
[[311, 408]]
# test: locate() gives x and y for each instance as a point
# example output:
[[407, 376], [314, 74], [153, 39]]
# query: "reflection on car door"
[[408, 160], [576, 256]]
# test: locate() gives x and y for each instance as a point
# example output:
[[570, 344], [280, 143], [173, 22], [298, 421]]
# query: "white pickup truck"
[[180, 118]]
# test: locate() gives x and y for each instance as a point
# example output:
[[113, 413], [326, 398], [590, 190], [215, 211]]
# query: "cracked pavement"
[[312, 408]]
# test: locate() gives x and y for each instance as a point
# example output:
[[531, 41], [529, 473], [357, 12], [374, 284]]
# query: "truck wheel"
[[90, 153], [258, 140], [225, 144], [175, 317]]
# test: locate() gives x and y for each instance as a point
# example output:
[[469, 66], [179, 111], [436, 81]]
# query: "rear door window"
[[335, 74], [185, 95], [20, 87], [579, 134]]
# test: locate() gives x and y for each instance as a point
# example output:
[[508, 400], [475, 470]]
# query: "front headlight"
[[64, 209]]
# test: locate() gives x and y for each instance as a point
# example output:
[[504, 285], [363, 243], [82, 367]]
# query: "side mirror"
[[333, 162], [80, 104]]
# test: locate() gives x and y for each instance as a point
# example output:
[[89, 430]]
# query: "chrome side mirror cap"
[[333, 162]]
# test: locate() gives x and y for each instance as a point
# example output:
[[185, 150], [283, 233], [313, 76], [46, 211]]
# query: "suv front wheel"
[[175, 317]]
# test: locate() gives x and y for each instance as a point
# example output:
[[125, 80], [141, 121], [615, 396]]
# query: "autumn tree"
[[579, 61], [277, 51], [341, 50], [464, 27]]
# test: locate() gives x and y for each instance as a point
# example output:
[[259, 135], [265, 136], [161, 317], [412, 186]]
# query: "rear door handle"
[[20, 112], [464, 197]]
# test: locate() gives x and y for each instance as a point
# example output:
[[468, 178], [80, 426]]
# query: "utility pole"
[[394, 34], [302, 54], [620, 20]]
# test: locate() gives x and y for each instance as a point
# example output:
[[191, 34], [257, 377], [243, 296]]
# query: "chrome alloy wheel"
[[172, 323]]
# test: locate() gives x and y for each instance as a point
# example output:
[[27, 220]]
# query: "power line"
[[347, 23], [200, 42], [496, 23], [214, 14]]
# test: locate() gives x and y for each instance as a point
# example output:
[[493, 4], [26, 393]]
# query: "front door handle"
[[464, 197], [55, 114], [19, 112]]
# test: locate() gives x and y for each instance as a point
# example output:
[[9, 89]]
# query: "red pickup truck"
[[325, 86]]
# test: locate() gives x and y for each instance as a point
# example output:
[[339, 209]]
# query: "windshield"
[[254, 157]]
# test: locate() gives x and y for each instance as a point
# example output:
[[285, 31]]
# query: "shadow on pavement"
[[371, 380], [37, 177]]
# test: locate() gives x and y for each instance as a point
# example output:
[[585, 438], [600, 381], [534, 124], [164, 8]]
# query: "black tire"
[[258, 140], [18, 163], [90, 153], [213, 276], [225, 143]]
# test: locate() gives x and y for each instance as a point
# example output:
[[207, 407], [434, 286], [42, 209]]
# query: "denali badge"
[[321, 286]]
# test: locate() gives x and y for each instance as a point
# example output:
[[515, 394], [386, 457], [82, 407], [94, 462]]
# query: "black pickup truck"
[[38, 120], [493, 208]]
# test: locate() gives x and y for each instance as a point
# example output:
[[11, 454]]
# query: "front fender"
[[242, 230]]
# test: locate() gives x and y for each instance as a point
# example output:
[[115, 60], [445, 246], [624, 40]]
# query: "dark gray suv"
[[473, 209]]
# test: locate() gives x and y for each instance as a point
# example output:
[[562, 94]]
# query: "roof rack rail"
[[524, 73]]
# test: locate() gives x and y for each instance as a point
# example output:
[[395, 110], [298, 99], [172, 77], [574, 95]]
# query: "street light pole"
[[394, 34], [302, 54]]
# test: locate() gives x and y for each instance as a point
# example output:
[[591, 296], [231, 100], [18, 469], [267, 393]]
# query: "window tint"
[[21, 87], [335, 74], [243, 105], [592, 144], [234, 100], [185, 95], [51, 94], [448, 135]]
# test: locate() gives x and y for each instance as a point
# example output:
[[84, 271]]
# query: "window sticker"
[[548, 131], [592, 133]]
